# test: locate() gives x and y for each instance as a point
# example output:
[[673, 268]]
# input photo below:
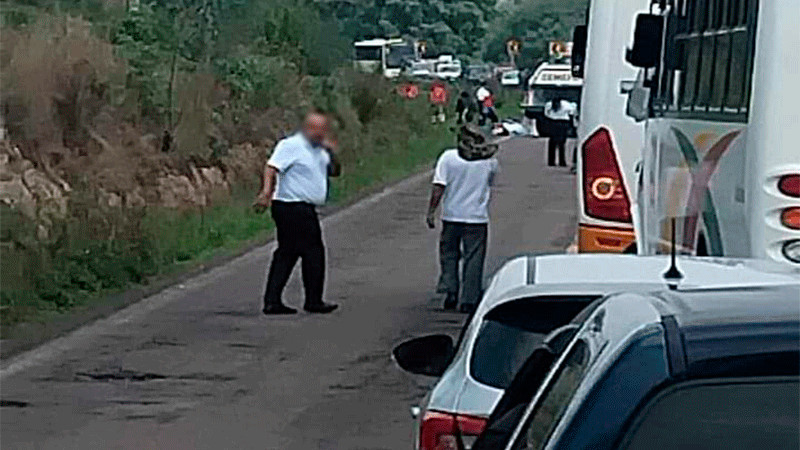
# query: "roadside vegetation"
[[137, 130]]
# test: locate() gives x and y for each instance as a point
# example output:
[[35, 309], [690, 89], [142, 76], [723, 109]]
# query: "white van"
[[609, 142]]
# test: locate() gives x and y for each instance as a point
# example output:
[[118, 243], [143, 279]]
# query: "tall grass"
[[83, 111]]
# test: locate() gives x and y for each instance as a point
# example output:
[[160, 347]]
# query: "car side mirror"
[[647, 40], [579, 39], [427, 355]]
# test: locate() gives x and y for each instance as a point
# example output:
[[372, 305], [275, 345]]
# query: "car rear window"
[[511, 332]]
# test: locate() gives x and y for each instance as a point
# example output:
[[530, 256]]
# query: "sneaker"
[[278, 309], [450, 301], [321, 308]]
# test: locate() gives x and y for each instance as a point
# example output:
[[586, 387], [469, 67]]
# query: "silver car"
[[529, 297]]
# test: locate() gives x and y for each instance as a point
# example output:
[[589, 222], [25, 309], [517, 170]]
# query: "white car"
[[510, 78], [529, 297], [449, 70], [421, 69]]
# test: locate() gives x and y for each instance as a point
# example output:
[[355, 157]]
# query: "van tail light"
[[443, 431], [790, 218], [790, 185], [604, 192]]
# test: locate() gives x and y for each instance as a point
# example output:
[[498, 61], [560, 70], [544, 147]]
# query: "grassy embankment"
[[90, 88], [178, 241]]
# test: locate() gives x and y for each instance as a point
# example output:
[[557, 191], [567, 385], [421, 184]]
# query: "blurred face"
[[315, 128]]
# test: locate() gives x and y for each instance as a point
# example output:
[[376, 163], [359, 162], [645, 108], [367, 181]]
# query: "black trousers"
[[556, 145], [467, 242], [558, 142], [299, 236]]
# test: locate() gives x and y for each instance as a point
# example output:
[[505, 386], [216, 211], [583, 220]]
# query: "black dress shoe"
[[278, 309], [450, 302], [321, 308]]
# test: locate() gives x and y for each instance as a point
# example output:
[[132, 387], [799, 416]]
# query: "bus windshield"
[[368, 53], [544, 94], [398, 55]]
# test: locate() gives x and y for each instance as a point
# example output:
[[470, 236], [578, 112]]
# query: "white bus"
[[384, 56], [609, 142], [722, 142]]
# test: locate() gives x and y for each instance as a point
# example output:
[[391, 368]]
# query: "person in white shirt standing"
[[561, 113], [295, 183], [486, 104], [462, 179]]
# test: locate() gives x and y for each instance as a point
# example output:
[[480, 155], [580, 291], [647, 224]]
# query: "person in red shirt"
[[486, 98], [438, 98]]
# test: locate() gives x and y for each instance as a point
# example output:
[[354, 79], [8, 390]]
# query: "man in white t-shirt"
[[295, 183], [485, 104], [561, 114], [462, 183]]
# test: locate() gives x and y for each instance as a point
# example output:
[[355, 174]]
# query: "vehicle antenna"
[[673, 275]]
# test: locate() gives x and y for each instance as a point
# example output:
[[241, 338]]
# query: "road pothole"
[[13, 404], [120, 375], [136, 376]]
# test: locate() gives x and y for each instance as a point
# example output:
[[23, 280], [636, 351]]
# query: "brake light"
[[604, 192], [790, 185], [443, 431], [790, 217]]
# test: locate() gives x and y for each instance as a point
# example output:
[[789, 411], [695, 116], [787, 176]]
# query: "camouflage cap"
[[474, 144]]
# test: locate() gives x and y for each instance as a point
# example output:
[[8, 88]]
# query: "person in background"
[[486, 102], [560, 113], [465, 109], [462, 181], [295, 183], [438, 98]]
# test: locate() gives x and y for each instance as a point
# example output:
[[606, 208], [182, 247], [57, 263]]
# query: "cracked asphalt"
[[198, 367]]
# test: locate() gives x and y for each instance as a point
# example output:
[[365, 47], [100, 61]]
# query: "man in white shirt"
[[463, 179], [482, 93], [295, 183], [485, 104], [561, 114]]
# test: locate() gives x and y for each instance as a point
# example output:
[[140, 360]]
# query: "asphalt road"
[[198, 366]]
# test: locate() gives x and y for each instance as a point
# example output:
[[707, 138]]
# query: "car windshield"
[[512, 331]]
